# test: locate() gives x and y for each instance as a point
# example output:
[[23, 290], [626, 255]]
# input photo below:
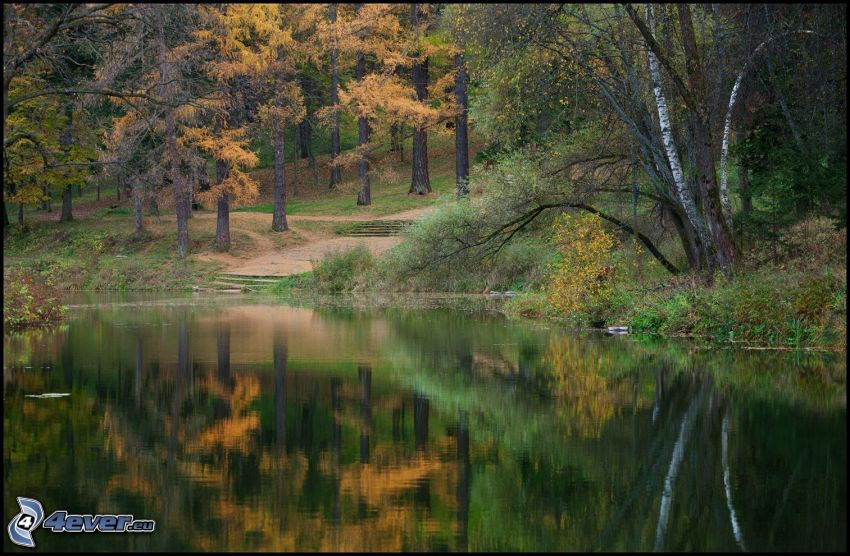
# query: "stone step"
[[247, 279], [378, 228], [231, 285], [372, 234]]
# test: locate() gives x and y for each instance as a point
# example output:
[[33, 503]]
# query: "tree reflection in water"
[[281, 430]]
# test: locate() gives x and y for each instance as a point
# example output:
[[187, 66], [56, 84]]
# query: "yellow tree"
[[252, 45], [383, 36]]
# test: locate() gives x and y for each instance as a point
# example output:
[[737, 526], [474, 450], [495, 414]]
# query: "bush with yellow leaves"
[[583, 281]]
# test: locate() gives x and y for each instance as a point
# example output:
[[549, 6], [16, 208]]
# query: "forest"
[[674, 168], [378, 277]]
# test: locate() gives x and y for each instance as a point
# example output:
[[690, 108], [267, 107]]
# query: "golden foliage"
[[230, 146], [582, 278]]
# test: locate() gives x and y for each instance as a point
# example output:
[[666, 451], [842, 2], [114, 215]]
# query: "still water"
[[243, 424]]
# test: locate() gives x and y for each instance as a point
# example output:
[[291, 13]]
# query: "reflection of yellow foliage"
[[588, 399], [377, 485], [231, 433], [272, 520], [234, 432]]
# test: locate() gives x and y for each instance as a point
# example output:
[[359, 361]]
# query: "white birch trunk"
[[672, 473], [684, 192], [727, 126], [736, 528]]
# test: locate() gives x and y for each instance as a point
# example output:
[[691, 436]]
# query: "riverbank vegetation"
[[28, 303]]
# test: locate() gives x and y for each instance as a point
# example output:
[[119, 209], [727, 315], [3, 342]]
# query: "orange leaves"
[[395, 100], [230, 146], [239, 187], [285, 109]]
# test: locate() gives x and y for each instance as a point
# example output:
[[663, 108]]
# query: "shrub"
[[768, 307], [439, 254], [295, 281], [582, 283], [530, 305], [347, 271], [29, 302]]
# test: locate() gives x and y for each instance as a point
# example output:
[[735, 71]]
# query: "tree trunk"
[[744, 186], [279, 217], [295, 174], [67, 199], [66, 141], [315, 167], [45, 204], [222, 225], [5, 217], [336, 171], [21, 215], [98, 189], [153, 207], [461, 131], [683, 191], [393, 138], [733, 97], [420, 183], [364, 197], [397, 131], [722, 247], [137, 206], [304, 139], [180, 197], [686, 237]]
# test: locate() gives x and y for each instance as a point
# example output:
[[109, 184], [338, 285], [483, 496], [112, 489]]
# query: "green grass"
[[98, 252], [390, 183], [101, 254], [387, 198], [287, 284]]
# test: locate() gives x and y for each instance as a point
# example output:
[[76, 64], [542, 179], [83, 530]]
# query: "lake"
[[241, 423]]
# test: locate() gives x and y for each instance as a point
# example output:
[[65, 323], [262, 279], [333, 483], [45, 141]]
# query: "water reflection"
[[273, 428]]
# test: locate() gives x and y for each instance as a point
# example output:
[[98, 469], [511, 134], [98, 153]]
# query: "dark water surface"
[[246, 425]]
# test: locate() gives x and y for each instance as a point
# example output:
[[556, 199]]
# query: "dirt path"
[[266, 259]]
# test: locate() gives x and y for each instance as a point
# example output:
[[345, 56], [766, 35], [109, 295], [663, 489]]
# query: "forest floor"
[[265, 258], [97, 251]]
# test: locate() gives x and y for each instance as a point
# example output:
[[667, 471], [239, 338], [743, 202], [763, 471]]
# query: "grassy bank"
[[102, 254], [796, 300], [97, 251]]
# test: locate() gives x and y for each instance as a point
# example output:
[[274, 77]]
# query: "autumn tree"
[[603, 109], [145, 143], [336, 171], [364, 196], [47, 60], [383, 99], [420, 182]]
